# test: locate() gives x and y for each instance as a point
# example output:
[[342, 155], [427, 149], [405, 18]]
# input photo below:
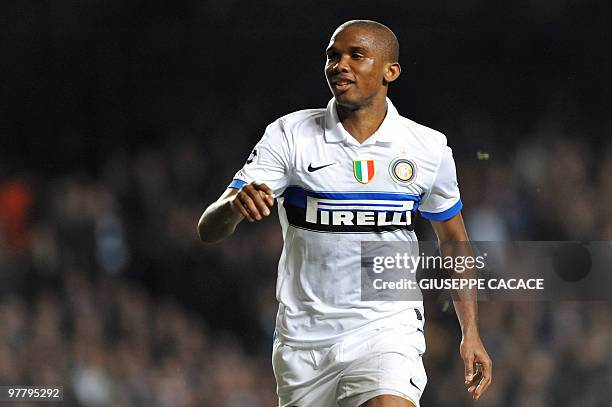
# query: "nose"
[[341, 65]]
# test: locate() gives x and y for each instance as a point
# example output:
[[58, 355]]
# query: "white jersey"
[[333, 193]]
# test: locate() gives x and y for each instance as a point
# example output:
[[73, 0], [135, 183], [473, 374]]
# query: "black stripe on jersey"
[[296, 216]]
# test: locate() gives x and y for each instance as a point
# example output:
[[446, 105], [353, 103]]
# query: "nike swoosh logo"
[[412, 383], [313, 169]]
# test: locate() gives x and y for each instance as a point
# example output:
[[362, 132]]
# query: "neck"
[[362, 122]]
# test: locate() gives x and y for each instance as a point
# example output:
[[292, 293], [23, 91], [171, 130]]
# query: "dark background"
[[82, 80], [121, 121]]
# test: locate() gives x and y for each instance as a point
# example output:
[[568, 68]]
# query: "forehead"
[[354, 36]]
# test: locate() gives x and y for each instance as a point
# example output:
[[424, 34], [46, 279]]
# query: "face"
[[356, 68]]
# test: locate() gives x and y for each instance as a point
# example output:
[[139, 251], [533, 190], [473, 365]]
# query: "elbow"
[[213, 227], [208, 234], [204, 232], [205, 235], [206, 238]]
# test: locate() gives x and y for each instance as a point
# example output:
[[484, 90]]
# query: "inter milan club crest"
[[363, 170], [403, 170]]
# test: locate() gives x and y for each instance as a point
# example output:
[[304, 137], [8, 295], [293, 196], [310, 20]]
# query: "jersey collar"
[[335, 132]]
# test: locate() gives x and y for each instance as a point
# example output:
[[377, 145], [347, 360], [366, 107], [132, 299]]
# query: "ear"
[[392, 71]]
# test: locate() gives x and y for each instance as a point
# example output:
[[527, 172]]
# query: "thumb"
[[469, 367], [268, 198]]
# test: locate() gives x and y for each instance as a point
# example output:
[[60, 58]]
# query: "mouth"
[[341, 84]]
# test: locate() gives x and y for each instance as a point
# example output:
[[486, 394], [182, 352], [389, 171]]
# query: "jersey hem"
[[389, 320]]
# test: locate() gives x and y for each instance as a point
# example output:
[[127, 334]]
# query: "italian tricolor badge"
[[363, 170]]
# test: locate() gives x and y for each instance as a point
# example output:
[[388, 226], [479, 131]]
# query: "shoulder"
[[289, 126], [308, 117], [286, 128], [429, 138]]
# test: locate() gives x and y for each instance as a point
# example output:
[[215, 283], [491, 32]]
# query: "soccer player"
[[354, 171]]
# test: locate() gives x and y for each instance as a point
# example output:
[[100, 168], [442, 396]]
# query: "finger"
[[249, 205], [473, 385], [266, 194], [482, 387], [268, 199], [243, 211], [487, 378], [262, 205], [254, 194], [469, 368], [263, 187], [480, 380], [258, 202]]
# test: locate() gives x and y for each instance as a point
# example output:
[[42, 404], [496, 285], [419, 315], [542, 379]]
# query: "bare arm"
[[219, 220], [453, 230], [472, 350]]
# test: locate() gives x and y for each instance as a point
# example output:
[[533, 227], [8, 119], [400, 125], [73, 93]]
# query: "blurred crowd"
[[106, 290], [109, 343]]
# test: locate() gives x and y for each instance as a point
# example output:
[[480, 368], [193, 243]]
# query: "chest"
[[342, 167]]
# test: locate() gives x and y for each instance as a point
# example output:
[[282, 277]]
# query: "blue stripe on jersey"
[[348, 209], [237, 183], [444, 215], [360, 204], [296, 196]]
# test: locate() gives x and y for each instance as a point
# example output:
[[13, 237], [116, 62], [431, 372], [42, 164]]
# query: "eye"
[[331, 56], [356, 55]]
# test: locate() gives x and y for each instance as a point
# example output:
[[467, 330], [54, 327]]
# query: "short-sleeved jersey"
[[333, 193]]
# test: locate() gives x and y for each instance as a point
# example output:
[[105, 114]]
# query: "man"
[[340, 174]]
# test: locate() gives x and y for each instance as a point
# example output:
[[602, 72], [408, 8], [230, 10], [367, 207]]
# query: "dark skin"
[[477, 363], [358, 70]]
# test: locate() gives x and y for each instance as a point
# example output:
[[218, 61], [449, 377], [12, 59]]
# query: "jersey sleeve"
[[443, 201], [269, 162]]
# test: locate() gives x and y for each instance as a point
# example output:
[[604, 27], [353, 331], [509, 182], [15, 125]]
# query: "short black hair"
[[386, 37]]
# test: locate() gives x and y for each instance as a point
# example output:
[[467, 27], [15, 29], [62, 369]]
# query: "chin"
[[347, 102]]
